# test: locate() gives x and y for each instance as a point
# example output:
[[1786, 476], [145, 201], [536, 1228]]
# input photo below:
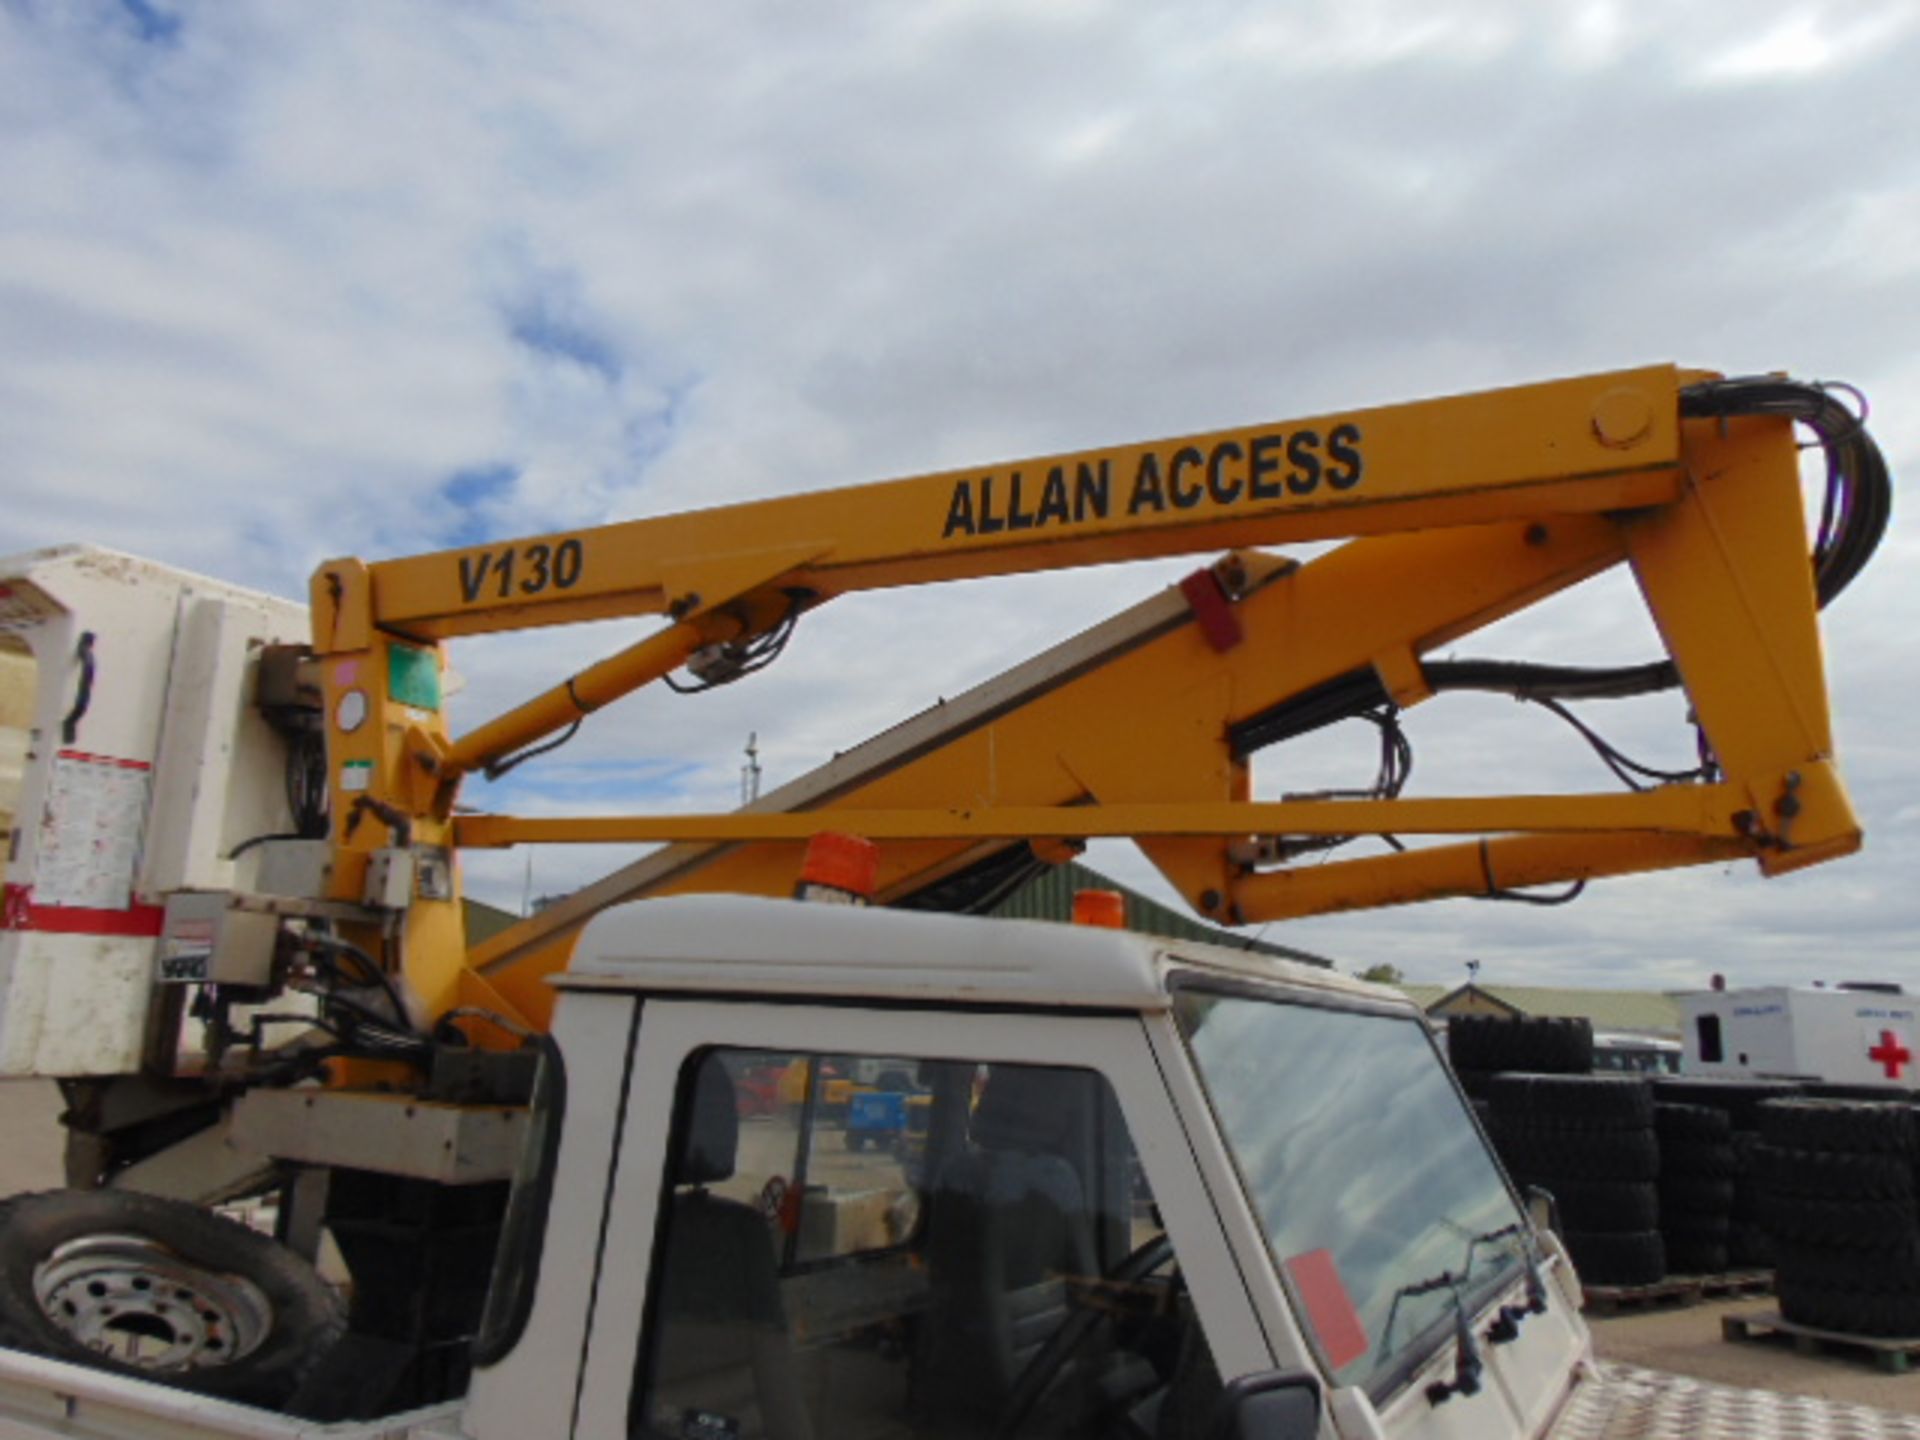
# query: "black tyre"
[[1688, 1125], [1687, 1256], [1691, 1195], [1507, 1092], [198, 1301], [1848, 1224], [1893, 1269], [1739, 1098], [1805, 1304], [1474, 1082], [1696, 1225], [1639, 1258], [1833, 1174], [1561, 1044], [1746, 1185], [1855, 1125], [1575, 1102], [1604, 1207], [1540, 1154], [1543, 1044], [1850, 1312], [1472, 1045], [1701, 1161], [1749, 1247]]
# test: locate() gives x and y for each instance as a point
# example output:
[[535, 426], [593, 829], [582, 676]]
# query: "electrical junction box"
[[204, 939], [300, 869], [433, 872], [389, 884]]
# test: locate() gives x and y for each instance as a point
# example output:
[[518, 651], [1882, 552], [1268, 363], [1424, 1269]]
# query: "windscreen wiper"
[[1506, 1325], [1469, 1366]]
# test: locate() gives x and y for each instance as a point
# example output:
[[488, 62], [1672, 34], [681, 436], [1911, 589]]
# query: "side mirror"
[[1273, 1406], [1542, 1209]]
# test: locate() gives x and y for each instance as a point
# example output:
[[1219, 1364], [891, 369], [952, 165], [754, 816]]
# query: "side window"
[[864, 1142], [1708, 1029], [867, 1246]]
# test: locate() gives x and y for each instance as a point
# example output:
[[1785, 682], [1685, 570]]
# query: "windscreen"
[[1378, 1198]]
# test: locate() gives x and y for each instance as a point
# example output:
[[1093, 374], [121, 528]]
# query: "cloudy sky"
[[279, 282]]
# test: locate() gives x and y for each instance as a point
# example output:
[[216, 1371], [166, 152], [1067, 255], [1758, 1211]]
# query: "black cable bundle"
[[1853, 520]]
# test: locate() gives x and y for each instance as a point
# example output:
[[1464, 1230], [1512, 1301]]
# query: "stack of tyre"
[[1589, 1140], [1749, 1243], [1696, 1187], [1838, 1199], [1481, 1046], [1749, 1246]]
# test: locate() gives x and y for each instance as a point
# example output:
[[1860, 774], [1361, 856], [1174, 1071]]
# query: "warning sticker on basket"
[[89, 840]]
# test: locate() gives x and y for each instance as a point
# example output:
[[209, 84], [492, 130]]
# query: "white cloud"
[[1802, 40]]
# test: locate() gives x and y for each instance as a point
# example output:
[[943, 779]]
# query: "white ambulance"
[[1849, 1034]]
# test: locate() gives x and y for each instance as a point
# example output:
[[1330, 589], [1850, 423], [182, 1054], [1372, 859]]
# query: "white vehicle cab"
[[1147, 1166]]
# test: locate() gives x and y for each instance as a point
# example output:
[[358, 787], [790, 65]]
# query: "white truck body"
[[660, 988], [41, 1397], [1842, 1037], [144, 765]]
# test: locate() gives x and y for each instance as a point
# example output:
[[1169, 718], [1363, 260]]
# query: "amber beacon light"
[[838, 868], [1105, 908]]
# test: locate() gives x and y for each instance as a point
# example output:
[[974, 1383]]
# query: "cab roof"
[[742, 944]]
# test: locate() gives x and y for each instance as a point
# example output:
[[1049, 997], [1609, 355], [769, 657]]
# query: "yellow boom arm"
[[1146, 728]]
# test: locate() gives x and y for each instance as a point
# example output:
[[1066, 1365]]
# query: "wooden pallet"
[[1612, 1299], [1892, 1357], [1735, 1282]]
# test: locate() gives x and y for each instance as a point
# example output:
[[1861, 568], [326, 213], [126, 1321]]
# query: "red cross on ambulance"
[[1890, 1053]]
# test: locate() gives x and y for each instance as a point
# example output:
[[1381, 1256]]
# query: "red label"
[[88, 759], [23, 914], [1212, 610], [1318, 1286]]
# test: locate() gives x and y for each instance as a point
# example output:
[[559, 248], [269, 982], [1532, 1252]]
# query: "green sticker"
[[413, 677]]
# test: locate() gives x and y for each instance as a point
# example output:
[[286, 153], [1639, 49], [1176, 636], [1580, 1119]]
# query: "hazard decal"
[[1330, 1309]]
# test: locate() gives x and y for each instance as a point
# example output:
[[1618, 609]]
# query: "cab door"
[[849, 1222]]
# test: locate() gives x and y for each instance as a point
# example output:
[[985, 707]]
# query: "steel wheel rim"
[[134, 1300]]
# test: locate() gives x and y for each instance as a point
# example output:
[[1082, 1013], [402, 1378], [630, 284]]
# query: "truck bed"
[[50, 1398], [1622, 1402], [55, 1399]]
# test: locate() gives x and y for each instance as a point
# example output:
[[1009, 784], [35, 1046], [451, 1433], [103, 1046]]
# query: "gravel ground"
[[1687, 1341], [1684, 1341]]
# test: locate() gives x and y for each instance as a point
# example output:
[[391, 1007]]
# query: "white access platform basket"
[[138, 763]]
